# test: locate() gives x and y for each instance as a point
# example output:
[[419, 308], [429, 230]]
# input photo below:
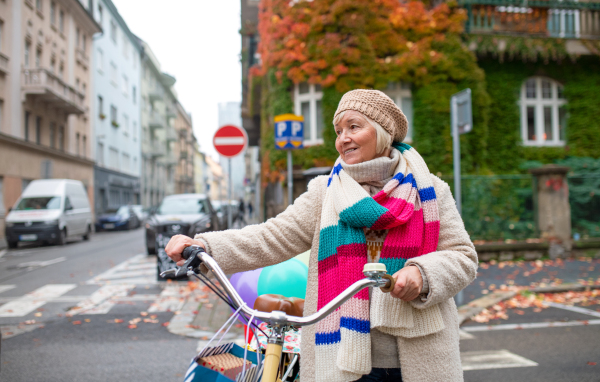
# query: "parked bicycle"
[[278, 322]]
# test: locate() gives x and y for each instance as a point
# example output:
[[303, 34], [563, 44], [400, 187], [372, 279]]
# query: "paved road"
[[97, 349]]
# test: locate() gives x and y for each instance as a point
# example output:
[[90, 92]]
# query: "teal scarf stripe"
[[392, 264], [401, 146], [363, 213], [330, 238]]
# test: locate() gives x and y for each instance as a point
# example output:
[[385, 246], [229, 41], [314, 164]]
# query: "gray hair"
[[384, 139]]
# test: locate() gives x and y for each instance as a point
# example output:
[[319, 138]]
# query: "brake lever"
[[192, 263]]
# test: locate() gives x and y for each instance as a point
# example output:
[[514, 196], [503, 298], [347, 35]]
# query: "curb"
[[465, 312]]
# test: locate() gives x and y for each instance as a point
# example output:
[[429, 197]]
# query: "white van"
[[50, 210]]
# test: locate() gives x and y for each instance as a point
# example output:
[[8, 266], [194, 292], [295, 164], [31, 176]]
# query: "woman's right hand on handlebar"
[[176, 246]]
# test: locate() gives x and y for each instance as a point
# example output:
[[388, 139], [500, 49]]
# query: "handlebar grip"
[[189, 251], [389, 286]]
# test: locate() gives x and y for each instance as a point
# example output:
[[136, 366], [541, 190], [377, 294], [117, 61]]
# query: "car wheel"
[[151, 251], [62, 237], [88, 233], [13, 244]]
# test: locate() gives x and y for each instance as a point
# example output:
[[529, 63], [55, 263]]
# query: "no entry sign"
[[230, 140]]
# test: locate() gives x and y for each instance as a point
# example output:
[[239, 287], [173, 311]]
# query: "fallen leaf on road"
[[144, 314], [87, 320], [118, 320], [592, 363], [165, 324], [38, 314], [76, 322], [132, 326]]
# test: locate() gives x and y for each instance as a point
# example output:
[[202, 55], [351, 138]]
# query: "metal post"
[[229, 198], [456, 155], [290, 177]]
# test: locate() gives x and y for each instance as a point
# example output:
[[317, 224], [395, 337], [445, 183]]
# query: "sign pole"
[[229, 198], [456, 157], [290, 177]]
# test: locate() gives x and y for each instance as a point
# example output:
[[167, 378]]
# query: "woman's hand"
[[409, 283], [176, 246]]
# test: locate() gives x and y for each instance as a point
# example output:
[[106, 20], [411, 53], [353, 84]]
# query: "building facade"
[[158, 112], [46, 88], [184, 149], [116, 111]]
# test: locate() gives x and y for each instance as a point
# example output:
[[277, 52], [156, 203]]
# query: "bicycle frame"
[[280, 322]]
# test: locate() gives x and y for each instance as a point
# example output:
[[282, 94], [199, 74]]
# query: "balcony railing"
[[171, 134], [158, 149], [156, 120], [544, 22], [3, 64], [51, 89]]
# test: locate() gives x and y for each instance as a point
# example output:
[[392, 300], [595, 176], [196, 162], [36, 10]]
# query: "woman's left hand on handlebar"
[[409, 283], [176, 246]]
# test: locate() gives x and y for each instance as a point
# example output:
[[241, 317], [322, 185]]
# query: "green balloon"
[[288, 279]]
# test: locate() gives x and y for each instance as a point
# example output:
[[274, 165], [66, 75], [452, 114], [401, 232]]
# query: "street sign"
[[461, 108], [289, 132], [230, 140]]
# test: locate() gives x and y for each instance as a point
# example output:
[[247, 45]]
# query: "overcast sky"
[[198, 42]]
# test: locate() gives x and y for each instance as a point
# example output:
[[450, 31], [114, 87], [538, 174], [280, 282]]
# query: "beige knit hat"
[[377, 106]]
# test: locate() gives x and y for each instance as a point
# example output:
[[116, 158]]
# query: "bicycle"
[[278, 321]]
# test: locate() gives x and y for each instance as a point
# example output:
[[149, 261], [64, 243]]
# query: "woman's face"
[[356, 139]]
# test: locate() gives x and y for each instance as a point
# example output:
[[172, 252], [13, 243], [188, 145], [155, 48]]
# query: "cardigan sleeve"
[[454, 265], [274, 241]]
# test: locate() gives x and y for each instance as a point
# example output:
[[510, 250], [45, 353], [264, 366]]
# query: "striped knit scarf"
[[407, 207]]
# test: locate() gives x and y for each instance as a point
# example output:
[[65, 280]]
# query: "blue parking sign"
[[289, 132]]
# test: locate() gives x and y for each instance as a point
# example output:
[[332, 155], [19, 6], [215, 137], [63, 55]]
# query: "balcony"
[[156, 120], [47, 87], [3, 64], [183, 155], [158, 150], [82, 58], [559, 19], [156, 94], [171, 135]]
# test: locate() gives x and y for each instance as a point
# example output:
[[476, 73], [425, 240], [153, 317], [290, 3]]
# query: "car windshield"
[[123, 211], [39, 203], [138, 209], [182, 206]]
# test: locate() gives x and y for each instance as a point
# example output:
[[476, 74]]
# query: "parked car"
[[221, 210], [122, 218], [51, 211], [184, 214], [141, 212]]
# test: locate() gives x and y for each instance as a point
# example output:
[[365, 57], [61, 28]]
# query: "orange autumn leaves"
[[355, 43]]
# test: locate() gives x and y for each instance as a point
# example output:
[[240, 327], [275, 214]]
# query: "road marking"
[[3, 252], [4, 288], [76, 299], [140, 269], [493, 359], [171, 298], [14, 330], [534, 325], [32, 301], [464, 335], [100, 301], [39, 264], [575, 309]]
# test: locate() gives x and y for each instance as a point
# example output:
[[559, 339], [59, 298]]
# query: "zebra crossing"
[[126, 283]]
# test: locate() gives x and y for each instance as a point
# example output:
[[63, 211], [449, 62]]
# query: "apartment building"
[[116, 116], [158, 112], [184, 172], [45, 91]]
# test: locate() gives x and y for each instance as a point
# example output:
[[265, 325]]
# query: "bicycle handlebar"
[[195, 256]]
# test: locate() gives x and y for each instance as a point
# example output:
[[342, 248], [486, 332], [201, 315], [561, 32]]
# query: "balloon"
[[304, 257], [288, 279], [246, 284]]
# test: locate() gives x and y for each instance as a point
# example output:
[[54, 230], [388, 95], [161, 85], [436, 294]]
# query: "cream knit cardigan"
[[430, 358]]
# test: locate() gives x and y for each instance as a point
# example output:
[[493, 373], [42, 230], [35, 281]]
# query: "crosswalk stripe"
[[140, 269], [493, 359], [533, 325], [4, 288], [32, 301], [577, 309], [99, 302], [171, 299]]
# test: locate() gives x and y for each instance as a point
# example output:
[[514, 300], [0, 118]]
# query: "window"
[[100, 14], [101, 108], [77, 38], [1, 30], [61, 138], [53, 64], [125, 85], [134, 131], [113, 158], [134, 95], [401, 94], [26, 131], [38, 130], [61, 21], [113, 115], [53, 13], [38, 5], [61, 70], [38, 58], [100, 60], [77, 84], [125, 124], [113, 74], [113, 31], [126, 164], [27, 53], [307, 99], [125, 46], [83, 42], [563, 23], [77, 143], [84, 146], [53, 135], [100, 154], [543, 112]]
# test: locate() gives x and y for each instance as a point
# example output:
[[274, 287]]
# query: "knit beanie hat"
[[377, 106]]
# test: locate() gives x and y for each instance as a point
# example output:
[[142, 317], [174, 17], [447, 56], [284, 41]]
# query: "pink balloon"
[[246, 284]]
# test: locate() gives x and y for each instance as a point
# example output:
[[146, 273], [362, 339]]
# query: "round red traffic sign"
[[230, 140]]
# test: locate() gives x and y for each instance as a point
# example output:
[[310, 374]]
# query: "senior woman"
[[379, 204]]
